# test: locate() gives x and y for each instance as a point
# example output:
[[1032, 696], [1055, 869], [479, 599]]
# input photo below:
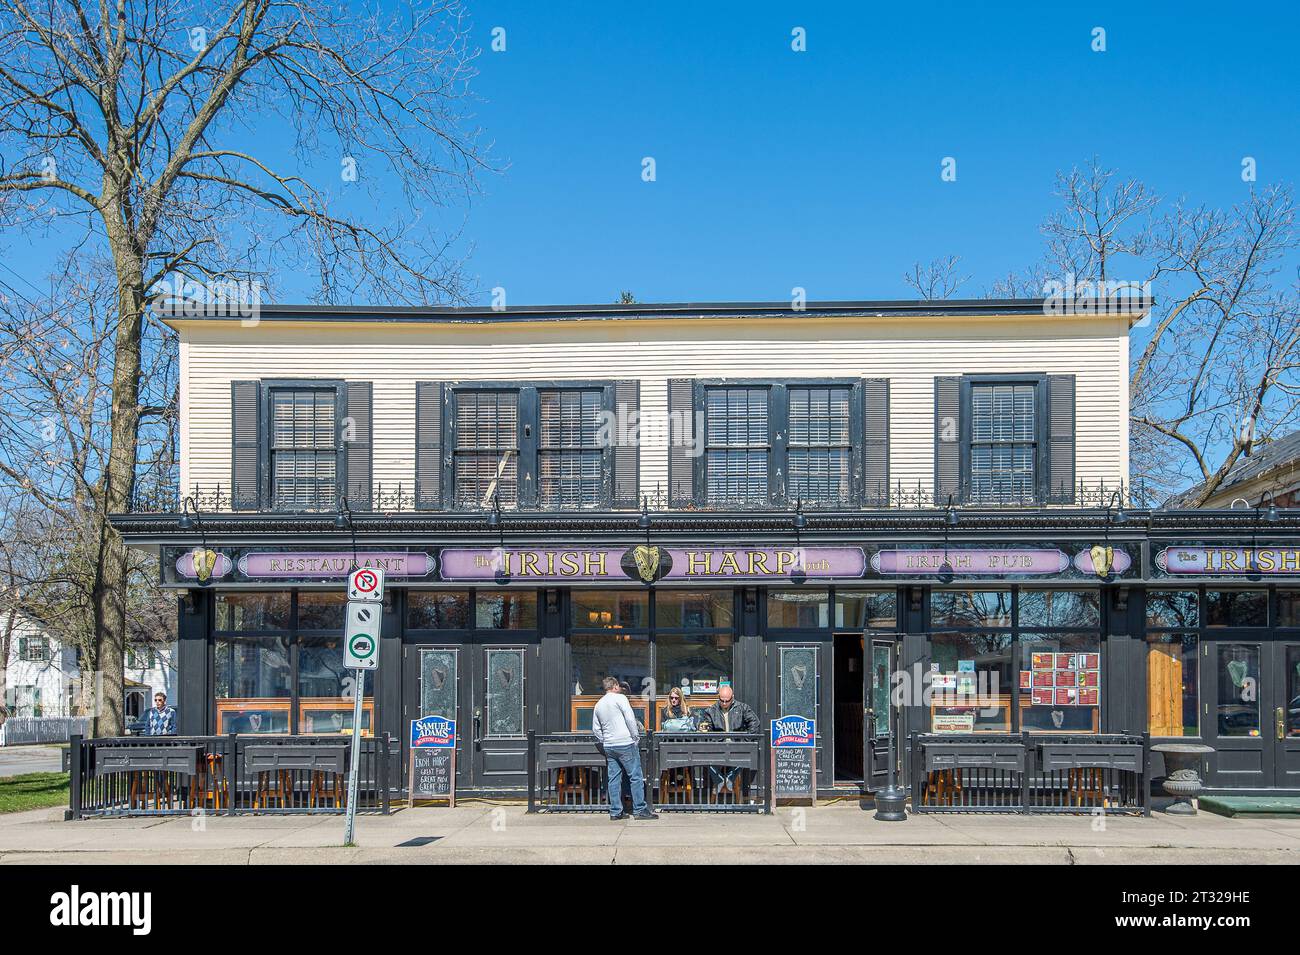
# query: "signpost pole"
[[354, 774]]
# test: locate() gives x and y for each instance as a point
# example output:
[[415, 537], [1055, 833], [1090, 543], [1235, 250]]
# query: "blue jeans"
[[621, 761]]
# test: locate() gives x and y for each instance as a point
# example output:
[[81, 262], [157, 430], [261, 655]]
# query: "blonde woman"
[[678, 713]]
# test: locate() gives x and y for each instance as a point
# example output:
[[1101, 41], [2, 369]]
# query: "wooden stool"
[[139, 789], [209, 784], [322, 789], [280, 787], [1086, 784], [572, 781], [677, 782], [945, 784]]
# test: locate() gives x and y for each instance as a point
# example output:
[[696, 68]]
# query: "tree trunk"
[[110, 586]]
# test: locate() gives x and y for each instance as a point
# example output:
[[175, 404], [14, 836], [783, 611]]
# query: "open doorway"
[[847, 696]]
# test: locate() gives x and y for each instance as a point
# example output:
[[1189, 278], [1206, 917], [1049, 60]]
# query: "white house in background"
[[40, 673], [43, 675]]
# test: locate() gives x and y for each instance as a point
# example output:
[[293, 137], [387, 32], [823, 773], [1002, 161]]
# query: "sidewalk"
[[506, 834]]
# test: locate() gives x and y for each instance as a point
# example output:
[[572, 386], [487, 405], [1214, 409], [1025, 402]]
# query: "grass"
[[33, 791]]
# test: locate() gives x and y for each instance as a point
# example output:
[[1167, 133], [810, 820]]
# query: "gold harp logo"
[[647, 562], [203, 561], [1103, 558]]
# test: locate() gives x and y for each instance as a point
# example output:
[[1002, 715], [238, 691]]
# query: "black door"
[[795, 688], [1253, 712], [436, 682], [501, 717], [881, 718]]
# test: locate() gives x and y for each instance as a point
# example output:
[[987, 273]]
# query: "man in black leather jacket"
[[728, 715]]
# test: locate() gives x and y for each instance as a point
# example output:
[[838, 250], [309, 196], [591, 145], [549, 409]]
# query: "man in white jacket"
[[616, 730]]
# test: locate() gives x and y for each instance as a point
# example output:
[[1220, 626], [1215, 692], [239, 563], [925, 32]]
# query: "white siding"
[[909, 352]]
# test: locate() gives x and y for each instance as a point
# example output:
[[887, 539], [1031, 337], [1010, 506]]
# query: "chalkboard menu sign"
[[794, 758], [433, 760]]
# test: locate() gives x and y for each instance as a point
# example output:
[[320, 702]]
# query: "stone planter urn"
[[1182, 775]]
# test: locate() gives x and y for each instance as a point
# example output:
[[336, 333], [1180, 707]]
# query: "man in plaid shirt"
[[161, 720]]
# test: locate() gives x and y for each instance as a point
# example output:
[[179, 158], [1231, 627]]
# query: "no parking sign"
[[366, 585]]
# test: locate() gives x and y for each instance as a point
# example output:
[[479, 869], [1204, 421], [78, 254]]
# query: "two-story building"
[[820, 507]]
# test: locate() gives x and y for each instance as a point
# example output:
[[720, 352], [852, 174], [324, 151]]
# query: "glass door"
[[1238, 713], [1286, 713], [881, 718]]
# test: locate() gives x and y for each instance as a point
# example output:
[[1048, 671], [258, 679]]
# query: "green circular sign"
[[366, 648]]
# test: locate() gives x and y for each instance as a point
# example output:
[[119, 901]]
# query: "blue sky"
[[821, 169]]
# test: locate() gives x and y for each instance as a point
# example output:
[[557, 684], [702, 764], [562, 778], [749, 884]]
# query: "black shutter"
[[875, 442], [1060, 439], [681, 429], [947, 439], [627, 454], [428, 444], [359, 446], [245, 446]]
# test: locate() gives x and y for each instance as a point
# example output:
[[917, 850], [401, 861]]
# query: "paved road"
[[506, 834], [16, 760]]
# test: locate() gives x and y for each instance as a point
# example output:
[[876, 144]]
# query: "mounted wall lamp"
[[950, 520], [203, 560], [1271, 515], [798, 573], [502, 575], [343, 521]]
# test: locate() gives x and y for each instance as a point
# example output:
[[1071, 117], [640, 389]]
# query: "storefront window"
[[1237, 708], [1173, 608], [505, 610], [1060, 608], [1288, 608], [595, 655], [252, 684], [617, 609], [1236, 608], [698, 662], [1173, 703], [693, 608], [970, 689], [242, 612], [798, 608], [970, 608], [1064, 677], [866, 609], [326, 688], [437, 610], [321, 611]]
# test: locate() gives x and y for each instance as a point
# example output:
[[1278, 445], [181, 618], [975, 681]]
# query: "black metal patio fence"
[[189, 775], [1031, 773], [684, 772]]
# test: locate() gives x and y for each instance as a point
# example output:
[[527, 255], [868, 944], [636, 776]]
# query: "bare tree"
[[1214, 368], [148, 129], [938, 280]]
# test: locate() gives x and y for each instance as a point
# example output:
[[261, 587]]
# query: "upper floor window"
[[485, 459], [545, 445], [737, 445], [569, 453], [784, 442], [1003, 442], [820, 448], [304, 448]]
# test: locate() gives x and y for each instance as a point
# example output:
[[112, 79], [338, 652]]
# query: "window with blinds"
[[820, 448], [485, 458], [1003, 443], [737, 445], [304, 449], [569, 454]]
